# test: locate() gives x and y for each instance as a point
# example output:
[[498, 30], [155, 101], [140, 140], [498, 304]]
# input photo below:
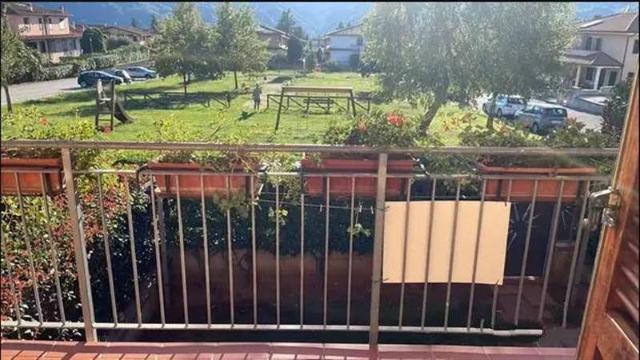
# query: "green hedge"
[[72, 66]]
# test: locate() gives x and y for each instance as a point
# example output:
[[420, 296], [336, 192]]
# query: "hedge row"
[[72, 66]]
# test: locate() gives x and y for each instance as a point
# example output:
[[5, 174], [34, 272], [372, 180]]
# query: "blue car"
[[90, 78]]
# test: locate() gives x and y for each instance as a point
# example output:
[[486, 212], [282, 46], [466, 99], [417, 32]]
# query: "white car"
[[141, 72], [506, 105]]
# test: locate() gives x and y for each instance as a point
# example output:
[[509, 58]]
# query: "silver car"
[[141, 72], [541, 118]]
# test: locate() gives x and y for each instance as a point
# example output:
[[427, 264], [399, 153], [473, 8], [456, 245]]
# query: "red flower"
[[395, 119], [362, 126], [44, 121], [106, 130]]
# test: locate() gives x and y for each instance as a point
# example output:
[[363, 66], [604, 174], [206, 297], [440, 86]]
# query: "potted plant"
[[376, 129], [548, 166], [31, 166], [198, 171]]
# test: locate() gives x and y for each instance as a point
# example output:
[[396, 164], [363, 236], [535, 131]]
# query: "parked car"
[[121, 73], [541, 118], [90, 78], [506, 105], [141, 72]]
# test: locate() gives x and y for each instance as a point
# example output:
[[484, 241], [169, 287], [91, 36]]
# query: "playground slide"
[[121, 114]]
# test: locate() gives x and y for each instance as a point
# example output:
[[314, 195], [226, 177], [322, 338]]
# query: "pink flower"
[[44, 121], [395, 119]]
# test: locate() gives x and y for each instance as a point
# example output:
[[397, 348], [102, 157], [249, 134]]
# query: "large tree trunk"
[[490, 111], [440, 98], [8, 97], [184, 82], [235, 78]]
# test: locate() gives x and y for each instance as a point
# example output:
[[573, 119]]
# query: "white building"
[[605, 51], [343, 44]]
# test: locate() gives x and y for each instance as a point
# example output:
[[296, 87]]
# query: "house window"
[[73, 44], [587, 45], [25, 21], [589, 74], [359, 41], [598, 44], [635, 46], [613, 75], [630, 76], [43, 48], [61, 23]]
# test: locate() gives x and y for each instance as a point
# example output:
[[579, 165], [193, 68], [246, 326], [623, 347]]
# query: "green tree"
[[93, 41], [340, 25], [183, 44], [521, 57], [17, 59], [286, 21], [238, 45], [615, 111], [430, 52], [295, 48], [154, 23], [134, 22]]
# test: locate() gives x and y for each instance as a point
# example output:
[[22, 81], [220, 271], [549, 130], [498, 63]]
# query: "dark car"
[[90, 78], [540, 118]]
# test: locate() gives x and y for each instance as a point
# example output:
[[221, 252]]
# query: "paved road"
[[591, 121], [39, 90]]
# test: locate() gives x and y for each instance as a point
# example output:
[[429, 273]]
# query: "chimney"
[[62, 8], [30, 6]]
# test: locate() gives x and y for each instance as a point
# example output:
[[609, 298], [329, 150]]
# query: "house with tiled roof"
[[276, 39], [605, 51], [46, 30], [136, 35], [343, 44]]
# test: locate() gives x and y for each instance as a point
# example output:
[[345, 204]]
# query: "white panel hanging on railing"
[[492, 241]]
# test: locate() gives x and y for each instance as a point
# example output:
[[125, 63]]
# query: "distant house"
[[342, 44], [45, 30], [276, 39], [605, 51], [137, 36]]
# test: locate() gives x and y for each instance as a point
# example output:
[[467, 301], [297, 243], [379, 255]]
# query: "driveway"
[[39, 90], [591, 121]]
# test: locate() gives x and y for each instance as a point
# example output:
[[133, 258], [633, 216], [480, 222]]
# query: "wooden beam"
[[279, 109], [318, 89]]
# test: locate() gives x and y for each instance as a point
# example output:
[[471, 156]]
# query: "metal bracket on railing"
[[609, 201]]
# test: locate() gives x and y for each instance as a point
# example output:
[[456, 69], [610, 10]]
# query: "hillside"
[[316, 18]]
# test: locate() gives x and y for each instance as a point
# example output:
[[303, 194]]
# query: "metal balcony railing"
[[146, 250]]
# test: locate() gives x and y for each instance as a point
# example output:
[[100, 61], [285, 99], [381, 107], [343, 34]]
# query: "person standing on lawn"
[[257, 92]]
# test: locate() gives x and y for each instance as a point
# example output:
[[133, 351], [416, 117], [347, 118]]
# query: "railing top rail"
[[174, 146]]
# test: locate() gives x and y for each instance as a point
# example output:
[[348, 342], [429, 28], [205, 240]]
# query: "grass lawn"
[[257, 127]]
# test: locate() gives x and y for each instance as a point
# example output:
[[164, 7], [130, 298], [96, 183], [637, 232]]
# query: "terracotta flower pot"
[[340, 187], [191, 185], [30, 181], [522, 190]]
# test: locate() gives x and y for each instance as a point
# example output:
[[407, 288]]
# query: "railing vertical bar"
[[550, 250], [205, 239], [277, 254], [80, 251], [183, 272], [451, 256], [475, 256], [525, 255], [27, 240], [376, 270], [578, 242], [326, 254], [405, 244], [301, 259], [156, 243], [350, 266], [12, 286], [253, 253], [494, 302], [53, 249], [107, 251], [134, 260], [230, 256], [423, 316]]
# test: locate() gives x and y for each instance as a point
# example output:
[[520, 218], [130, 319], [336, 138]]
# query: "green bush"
[[55, 72], [105, 61], [332, 66]]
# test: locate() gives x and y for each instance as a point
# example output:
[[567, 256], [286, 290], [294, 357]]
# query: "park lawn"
[[239, 121]]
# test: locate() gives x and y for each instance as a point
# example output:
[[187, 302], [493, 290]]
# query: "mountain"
[[316, 18]]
